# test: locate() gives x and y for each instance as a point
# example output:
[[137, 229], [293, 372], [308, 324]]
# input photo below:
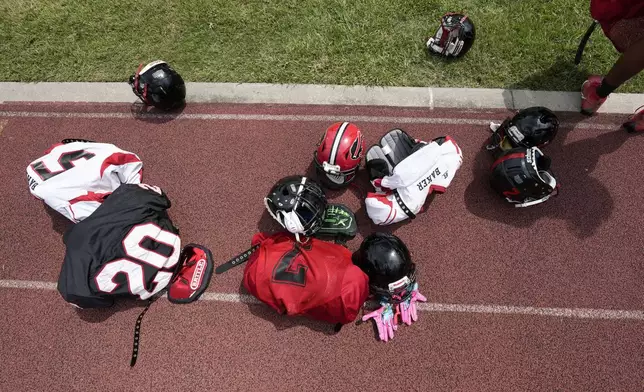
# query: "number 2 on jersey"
[[288, 270]]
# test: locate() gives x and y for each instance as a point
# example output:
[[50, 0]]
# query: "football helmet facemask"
[[159, 85], [454, 36], [298, 204], [338, 155]]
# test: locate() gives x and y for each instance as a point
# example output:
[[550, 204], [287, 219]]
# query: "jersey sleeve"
[[83, 206], [258, 238], [74, 178], [355, 290], [73, 283], [125, 165]]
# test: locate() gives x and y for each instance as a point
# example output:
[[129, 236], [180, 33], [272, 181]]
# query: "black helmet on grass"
[[453, 38]]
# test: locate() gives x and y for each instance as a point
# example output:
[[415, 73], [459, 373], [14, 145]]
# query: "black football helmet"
[[159, 85], [386, 261], [454, 36], [523, 177], [535, 126], [298, 204]]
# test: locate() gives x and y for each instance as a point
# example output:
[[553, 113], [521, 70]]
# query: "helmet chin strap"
[[532, 202], [266, 200], [134, 82], [399, 283], [291, 222], [331, 169]]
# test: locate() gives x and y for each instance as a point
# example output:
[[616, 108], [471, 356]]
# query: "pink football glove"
[[384, 318], [407, 309]]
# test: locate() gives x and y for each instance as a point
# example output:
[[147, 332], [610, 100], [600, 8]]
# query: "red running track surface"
[[582, 249]]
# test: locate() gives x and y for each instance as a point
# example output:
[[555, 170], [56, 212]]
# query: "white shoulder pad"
[[429, 169]]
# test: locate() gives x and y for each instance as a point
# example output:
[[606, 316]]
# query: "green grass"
[[520, 44]]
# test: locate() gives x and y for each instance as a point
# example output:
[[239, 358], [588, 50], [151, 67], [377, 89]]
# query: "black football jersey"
[[128, 247]]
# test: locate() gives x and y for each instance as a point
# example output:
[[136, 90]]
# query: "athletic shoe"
[[590, 101], [636, 122]]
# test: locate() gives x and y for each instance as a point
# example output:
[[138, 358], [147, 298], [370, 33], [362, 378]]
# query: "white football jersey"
[[75, 178], [429, 169]]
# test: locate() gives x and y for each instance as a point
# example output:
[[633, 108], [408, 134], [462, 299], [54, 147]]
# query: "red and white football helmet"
[[338, 155]]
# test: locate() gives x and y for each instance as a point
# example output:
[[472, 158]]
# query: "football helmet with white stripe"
[[338, 155]]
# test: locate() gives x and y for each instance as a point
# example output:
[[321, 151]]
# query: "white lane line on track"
[[27, 284], [293, 117], [578, 313]]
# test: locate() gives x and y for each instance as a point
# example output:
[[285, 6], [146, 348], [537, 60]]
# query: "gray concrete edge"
[[429, 97]]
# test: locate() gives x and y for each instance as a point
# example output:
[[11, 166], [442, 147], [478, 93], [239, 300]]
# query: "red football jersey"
[[316, 279]]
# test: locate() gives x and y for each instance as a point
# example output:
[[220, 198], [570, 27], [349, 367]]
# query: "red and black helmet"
[[159, 85], [338, 155], [522, 177], [453, 38]]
